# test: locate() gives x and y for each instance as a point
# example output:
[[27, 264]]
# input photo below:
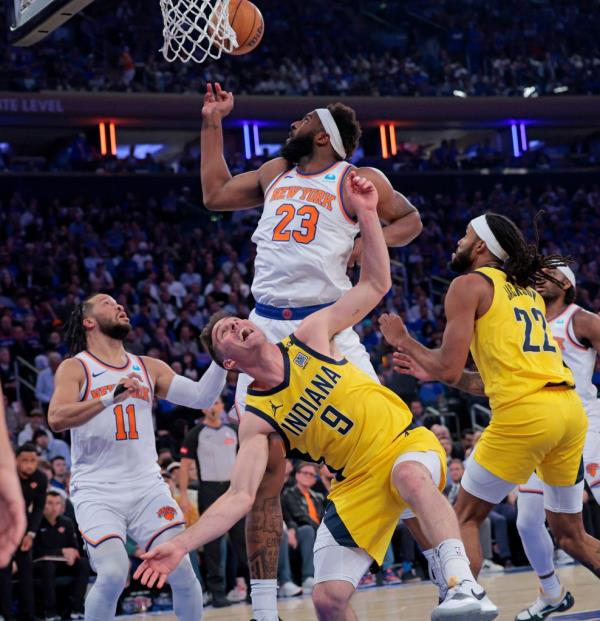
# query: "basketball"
[[248, 23]]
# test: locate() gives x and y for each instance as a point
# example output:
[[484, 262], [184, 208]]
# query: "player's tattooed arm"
[[471, 382]]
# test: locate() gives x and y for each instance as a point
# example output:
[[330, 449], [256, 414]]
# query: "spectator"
[[302, 513], [60, 475], [36, 421], [50, 447], [44, 385], [33, 487], [56, 553]]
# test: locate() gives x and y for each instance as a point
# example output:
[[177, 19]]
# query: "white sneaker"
[[489, 567], [308, 584], [464, 603], [289, 589], [561, 558], [543, 607], [237, 594]]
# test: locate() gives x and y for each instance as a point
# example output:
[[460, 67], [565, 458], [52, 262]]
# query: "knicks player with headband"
[[104, 396], [577, 333], [305, 239], [538, 421]]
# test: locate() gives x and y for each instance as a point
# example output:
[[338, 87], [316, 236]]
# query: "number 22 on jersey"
[[531, 319], [308, 224], [122, 433]]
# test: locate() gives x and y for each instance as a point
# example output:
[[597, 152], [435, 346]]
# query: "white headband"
[[484, 232], [568, 272], [331, 128]]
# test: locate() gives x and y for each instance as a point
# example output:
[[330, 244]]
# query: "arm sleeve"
[[34, 519], [200, 394]]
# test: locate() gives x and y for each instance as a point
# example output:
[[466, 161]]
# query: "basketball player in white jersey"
[[577, 332], [104, 396], [305, 239]]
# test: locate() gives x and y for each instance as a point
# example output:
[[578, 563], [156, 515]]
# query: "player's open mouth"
[[245, 333]]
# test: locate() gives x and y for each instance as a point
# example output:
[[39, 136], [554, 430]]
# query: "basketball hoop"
[[196, 29]]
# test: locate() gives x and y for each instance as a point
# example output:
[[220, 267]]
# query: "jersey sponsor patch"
[[301, 359], [167, 512], [329, 177], [136, 367]]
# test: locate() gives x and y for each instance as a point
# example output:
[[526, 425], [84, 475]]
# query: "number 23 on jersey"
[[307, 230]]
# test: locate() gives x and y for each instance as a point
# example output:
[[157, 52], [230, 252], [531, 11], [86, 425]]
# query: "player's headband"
[[565, 270], [484, 232], [331, 128]]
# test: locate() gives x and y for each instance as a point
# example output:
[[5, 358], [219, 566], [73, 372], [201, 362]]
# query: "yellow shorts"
[[544, 431], [366, 507]]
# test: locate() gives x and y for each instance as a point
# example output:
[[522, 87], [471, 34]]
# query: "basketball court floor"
[[510, 591]]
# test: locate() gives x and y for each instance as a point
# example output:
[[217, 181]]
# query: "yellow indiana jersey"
[[512, 345], [329, 411]]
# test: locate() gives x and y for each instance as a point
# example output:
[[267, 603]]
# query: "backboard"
[[29, 21]]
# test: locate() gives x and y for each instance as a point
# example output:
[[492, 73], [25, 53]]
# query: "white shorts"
[[334, 561], [346, 341], [482, 484], [142, 509]]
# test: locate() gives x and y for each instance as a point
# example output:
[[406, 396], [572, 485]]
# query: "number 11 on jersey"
[[121, 433]]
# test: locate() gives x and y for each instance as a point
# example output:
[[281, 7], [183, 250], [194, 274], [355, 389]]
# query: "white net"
[[196, 29]]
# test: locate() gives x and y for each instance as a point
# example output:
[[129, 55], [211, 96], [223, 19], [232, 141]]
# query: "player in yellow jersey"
[[327, 410], [538, 421]]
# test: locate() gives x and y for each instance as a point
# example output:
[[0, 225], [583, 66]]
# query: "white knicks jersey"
[[118, 443], [304, 239], [578, 357]]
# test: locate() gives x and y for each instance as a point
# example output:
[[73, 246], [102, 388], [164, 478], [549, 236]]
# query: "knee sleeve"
[[536, 540], [110, 561], [531, 514], [187, 592]]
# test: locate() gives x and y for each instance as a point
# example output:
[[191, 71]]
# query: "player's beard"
[[462, 262], [114, 330], [294, 149]]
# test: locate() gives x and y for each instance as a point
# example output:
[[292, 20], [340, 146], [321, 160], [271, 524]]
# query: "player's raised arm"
[[220, 190], [67, 411], [375, 278], [250, 465]]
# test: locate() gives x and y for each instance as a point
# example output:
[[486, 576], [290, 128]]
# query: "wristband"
[[109, 398]]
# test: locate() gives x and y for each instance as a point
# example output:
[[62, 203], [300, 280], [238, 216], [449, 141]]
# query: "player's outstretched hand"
[[406, 365], [217, 101], [131, 384], [362, 194], [393, 330], [159, 563]]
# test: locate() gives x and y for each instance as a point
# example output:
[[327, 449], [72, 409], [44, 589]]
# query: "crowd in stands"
[[172, 266], [412, 48]]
